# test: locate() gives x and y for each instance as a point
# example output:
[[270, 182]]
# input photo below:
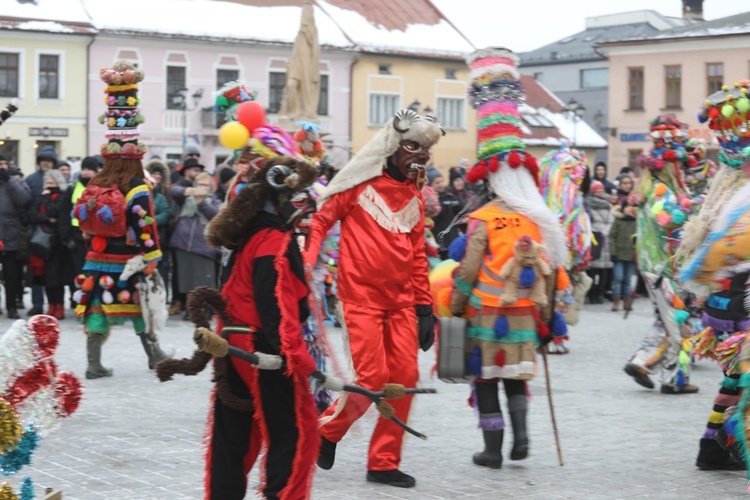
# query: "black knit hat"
[[90, 163]]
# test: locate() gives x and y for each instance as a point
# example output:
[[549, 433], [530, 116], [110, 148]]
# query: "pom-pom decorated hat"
[[229, 97], [668, 135], [122, 116], [495, 92], [727, 113]]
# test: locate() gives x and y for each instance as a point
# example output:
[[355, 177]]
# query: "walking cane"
[[218, 346], [546, 373]]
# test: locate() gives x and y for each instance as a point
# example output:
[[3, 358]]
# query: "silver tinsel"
[[38, 411], [17, 352], [478, 97]]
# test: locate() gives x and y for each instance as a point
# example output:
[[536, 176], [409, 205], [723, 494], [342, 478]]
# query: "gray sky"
[[523, 25]]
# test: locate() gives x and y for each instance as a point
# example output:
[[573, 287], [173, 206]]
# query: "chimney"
[[692, 10]]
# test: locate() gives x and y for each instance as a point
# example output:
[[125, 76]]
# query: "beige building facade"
[[670, 75], [383, 84]]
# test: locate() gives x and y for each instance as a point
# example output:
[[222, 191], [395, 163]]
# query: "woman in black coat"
[[53, 271]]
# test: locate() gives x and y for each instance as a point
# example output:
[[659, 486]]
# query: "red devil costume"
[[383, 285]]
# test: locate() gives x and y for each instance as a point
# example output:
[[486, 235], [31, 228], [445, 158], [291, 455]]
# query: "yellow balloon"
[[233, 135]]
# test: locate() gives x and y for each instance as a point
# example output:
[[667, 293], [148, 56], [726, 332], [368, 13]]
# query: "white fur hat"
[[369, 162]]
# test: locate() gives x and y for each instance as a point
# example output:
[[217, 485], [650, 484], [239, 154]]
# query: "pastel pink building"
[[207, 45]]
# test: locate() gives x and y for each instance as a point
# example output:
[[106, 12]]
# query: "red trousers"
[[384, 347]]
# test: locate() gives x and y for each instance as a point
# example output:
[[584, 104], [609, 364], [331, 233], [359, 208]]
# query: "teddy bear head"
[[527, 251]]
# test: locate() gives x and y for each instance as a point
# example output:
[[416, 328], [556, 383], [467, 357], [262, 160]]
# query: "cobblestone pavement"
[[135, 438]]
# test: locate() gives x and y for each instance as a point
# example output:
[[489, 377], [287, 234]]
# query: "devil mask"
[[409, 162], [297, 205]]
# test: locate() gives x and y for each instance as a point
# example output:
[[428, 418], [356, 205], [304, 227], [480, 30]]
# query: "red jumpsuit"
[[383, 275]]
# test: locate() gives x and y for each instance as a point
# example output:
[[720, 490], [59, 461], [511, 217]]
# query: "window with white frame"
[[49, 76], [225, 76], [9, 74], [323, 96], [276, 84], [176, 81], [451, 112], [382, 107]]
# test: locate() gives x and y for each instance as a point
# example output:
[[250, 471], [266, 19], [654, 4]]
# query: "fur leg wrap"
[[491, 421]]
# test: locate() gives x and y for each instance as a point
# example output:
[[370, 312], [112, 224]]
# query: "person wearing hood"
[[52, 271], [46, 159], [70, 232], [600, 174], [600, 211]]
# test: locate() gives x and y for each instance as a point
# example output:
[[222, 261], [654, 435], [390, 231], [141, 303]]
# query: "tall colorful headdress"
[[727, 113], [668, 135], [229, 97], [495, 93], [122, 116]]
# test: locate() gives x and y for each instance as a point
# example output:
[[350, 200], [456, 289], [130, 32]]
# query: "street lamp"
[[180, 100], [574, 111]]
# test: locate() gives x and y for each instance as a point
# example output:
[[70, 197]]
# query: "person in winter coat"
[[600, 211], [622, 245], [162, 209], [46, 159], [449, 207], [196, 260], [14, 195], [600, 174], [53, 272]]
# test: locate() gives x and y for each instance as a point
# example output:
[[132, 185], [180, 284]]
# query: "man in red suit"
[[383, 284]]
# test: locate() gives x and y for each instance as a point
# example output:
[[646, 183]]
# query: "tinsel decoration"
[[20, 457], [6, 492], [31, 381], [11, 431], [68, 391], [27, 489], [40, 411], [16, 352], [46, 333]]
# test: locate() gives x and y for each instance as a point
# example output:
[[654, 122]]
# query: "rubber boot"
[[517, 406], [59, 312], [711, 456], [153, 352], [95, 369], [492, 456], [327, 453]]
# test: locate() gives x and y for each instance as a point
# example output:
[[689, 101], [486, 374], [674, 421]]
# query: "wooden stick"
[[552, 407]]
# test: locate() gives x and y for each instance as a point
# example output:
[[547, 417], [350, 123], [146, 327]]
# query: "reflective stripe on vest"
[[77, 192]]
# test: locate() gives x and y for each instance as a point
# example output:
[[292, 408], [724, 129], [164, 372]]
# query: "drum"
[[454, 351]]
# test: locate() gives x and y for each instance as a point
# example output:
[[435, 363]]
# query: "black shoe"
[[685, 389], [327, 454], [712, 457], [639, 375], [391, 478], [12, 314], [33, 312]]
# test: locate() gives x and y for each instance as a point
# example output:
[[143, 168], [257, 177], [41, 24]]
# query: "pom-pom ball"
[[678, 217], [727, 110], [124, 297], [660, 189], [107, 297], [106, 282]]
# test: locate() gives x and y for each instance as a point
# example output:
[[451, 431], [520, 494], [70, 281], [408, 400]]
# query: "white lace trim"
[[402, 221]]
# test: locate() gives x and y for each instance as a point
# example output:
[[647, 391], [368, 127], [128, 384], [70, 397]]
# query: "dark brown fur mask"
[[231, 226]]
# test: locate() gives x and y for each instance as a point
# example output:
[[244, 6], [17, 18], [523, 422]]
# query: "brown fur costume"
[[527, 253], [231, 226], [197, 301]]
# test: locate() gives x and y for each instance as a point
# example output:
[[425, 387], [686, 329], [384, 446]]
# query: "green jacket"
[[161, 210], [621, 237]]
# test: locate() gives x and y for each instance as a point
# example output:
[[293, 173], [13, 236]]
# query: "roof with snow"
[[581, 46], [414, 27], [738, 24], [51, 16], [545, 124]]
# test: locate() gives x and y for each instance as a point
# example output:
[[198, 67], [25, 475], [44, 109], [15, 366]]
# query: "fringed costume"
[[116, 214], [508, 319], [383, 288], [663, 205], [715, 262], [561, 173]]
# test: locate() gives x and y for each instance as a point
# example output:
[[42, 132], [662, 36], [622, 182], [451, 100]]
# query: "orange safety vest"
[[503, 230]]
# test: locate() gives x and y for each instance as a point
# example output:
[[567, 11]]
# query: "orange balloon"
[[660, 189]]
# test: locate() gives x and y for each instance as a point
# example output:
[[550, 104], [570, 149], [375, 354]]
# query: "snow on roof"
[[429, 33], [46, 10], [579, 133], [214, 19], [738, 24], [48, 26]]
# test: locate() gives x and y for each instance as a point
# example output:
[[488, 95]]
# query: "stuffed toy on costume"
[[525, 270]]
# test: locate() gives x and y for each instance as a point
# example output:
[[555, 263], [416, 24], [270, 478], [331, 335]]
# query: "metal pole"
[[184, 128]]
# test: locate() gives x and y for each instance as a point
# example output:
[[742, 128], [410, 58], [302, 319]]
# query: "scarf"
[[190, 209]]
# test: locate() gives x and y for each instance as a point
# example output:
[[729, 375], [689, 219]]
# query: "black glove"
[[4, 175], [426, 327]]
